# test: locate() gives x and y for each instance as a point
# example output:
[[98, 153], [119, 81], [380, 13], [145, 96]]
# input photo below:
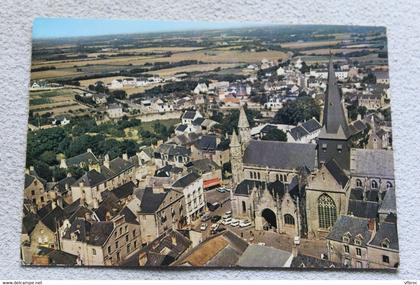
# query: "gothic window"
[[259, 176], [243, 207], [389, 185], [251, 176], [277, 177], [374, 184], [281, 177], [289, 220], [358, 183], [285, 177], [327, 211]]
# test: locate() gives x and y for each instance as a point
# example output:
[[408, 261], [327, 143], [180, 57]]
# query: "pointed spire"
[[334, 121], [234, 141], [243, 121]]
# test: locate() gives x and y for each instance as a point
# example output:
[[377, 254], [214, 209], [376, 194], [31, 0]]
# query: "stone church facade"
[[294, 188]]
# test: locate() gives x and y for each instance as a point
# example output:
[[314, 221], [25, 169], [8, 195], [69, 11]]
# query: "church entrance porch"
[[269, 220]]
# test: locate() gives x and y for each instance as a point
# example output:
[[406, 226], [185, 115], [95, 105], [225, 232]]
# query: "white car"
[[203, 226], [297, 240], [244, 224], [234, 223], [227, 221]]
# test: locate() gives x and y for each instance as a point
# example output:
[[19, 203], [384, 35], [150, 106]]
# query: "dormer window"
[[339, 148], [324, 147], [385, 243], [346, 237]]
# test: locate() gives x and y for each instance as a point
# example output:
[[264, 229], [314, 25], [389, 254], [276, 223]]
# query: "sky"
[[64, 27]]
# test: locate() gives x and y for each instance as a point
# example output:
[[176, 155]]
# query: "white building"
[[192, 187], [115, 111]]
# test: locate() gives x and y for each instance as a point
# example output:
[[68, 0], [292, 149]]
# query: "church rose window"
[[327, 211]]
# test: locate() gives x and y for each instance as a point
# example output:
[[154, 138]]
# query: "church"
[[299, 189]]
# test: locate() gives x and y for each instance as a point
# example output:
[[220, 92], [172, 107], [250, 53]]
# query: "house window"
[[374, 184], [289, 220], [327, 211], [358, 251], [251, 175], [93, 251], [358, 183], [385, 243], [385, 259], [126, 229], [120, 231], [109, 249], [42, 199], [116, 244], [128, 248], [33, 192], [346, 249], [135, 244], [259, 176], [359, 264], [126, 238], [134, 233]]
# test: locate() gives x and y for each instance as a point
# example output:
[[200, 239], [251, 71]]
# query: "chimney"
[[106, 161], [53, 204], [295, 250], [125, 156], [31, 168], [89, 150], [372, 225], [173, 238], [95, 203], [142, 259]]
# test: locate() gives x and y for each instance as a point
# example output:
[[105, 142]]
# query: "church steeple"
[[243, 128], [335, 124], [334, 138], [236, 158]]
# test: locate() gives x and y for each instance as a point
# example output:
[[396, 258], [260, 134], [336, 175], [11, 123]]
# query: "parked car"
[[206, 218], [220, 229], [215, 218], [203, 226], [227, 221], [244, 223], [214, 228], [297, 240], [234, 223], [229, 213], [221, 190]]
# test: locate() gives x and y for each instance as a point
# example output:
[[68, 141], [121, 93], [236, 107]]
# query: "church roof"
[[372, 163], [335, 122], [243, 121], [337, 172], [280, 155], [234, 141]]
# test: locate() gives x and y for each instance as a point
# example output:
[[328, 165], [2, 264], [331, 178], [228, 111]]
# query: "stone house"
[[160, 210]]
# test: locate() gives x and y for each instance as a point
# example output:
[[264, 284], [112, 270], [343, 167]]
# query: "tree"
[[119, 94], [43, 170], [299, 110], [275, 135], [48, 157]]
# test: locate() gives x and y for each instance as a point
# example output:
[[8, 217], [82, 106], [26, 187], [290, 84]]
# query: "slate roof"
[[173, 150], [363, 209], [110, 204], [356, 194], [267, 128], [298, 132], [186, 180], [305, 261], [28, 180], [311, 125], [389, 231], [64, 184], [29, 222], [207, 143], [203, 165], [246, 186], [372, 163], [166, 171], [162, 250], [53, 218], [353, 225], [181, 127], [389, 202], [335, 122], [124, 190], [91, 178], [189, 115], [264, 256], [150, 201], [198, 121], [337, 172], [280, 155], [94, 233], [86, 157], [57, 257], [119, 165], [129, 216]]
